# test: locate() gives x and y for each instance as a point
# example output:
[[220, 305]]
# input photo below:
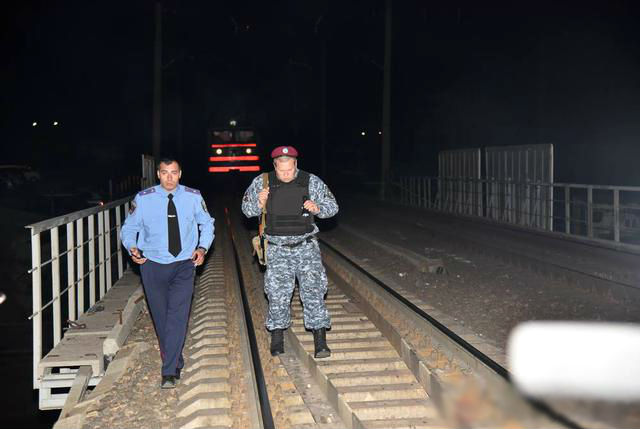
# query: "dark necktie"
[[174, 229]]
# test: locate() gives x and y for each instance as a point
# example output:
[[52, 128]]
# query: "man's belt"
[[290, 245]]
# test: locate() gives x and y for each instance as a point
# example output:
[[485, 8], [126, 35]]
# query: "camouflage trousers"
[[284, 265]]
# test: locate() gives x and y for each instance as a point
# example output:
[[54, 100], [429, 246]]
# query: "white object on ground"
[[589, 360]]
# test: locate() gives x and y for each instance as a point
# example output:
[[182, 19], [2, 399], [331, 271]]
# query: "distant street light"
[[233, 122], [55, 123], [379, 132], [35, 124], [363, 133]]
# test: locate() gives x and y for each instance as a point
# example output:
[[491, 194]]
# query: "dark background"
[[464, 74]]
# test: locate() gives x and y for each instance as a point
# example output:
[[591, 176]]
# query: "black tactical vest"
[[285, 214]]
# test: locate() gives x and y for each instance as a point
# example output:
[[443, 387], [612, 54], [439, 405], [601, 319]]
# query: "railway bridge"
[[425, 287]]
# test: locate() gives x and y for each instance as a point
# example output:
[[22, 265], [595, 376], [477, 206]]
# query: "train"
[[233, 150]]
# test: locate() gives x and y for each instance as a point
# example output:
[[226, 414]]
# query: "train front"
[[233, 150]]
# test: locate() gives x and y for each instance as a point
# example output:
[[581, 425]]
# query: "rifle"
[[259, 242]]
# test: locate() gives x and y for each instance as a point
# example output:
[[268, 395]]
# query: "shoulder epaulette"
[[193, 191], [147, 191]]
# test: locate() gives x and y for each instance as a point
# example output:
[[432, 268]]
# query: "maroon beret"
[[284, 151]]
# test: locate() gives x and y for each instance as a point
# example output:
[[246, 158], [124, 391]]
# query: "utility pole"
[[386, 105], [323, 108], [179, 112], [157, 84], [323, 38]]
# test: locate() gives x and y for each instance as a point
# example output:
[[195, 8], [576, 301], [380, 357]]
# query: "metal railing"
[[602, 213], [84, 268]]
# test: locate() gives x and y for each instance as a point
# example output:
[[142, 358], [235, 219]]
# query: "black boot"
[[277, 342], [320, 343]]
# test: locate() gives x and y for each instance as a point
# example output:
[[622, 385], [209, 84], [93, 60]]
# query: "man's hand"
[[262, 197], [312, 207], [137, 256], [198, 256]]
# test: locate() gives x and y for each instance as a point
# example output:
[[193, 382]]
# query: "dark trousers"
[[169, 289]]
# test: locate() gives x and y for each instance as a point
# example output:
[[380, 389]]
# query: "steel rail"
[[486, 360], [263, 395]]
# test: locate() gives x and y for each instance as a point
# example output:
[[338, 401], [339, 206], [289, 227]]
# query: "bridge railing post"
[[616, 215], [590, 211], [80, 270], [118, 242], [107, 248], [567, 209], [55, 285], [36, 290], [92, 261], [101, 263]]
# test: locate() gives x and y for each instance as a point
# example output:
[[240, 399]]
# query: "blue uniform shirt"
[[148, 218]]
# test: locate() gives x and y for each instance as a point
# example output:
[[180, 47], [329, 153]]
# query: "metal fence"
[[85, 267], [515, 172], [459, 171], [607, 213]]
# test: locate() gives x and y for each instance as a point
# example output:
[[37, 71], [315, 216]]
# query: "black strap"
[[174, 228]]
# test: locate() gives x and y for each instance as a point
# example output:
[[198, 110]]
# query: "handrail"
[[532, 182], [89, 231], [70, 217], [598, 213]]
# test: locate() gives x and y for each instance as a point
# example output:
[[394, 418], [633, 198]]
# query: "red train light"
[[233, 158], [234, 168], [233, 145]]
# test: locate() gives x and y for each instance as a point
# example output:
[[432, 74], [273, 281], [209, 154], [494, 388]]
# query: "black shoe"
[[168, 382], [277, 342], [320, 344], [178, 371]]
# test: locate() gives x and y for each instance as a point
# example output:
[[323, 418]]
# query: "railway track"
[[219, 385], [391, 367]]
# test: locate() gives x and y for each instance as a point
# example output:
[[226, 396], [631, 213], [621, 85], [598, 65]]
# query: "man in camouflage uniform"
[[292, 199]]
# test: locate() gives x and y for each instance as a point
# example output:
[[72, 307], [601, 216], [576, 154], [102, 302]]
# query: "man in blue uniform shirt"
[[161, 235]]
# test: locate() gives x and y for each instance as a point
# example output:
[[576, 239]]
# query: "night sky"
[[464, 74]]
